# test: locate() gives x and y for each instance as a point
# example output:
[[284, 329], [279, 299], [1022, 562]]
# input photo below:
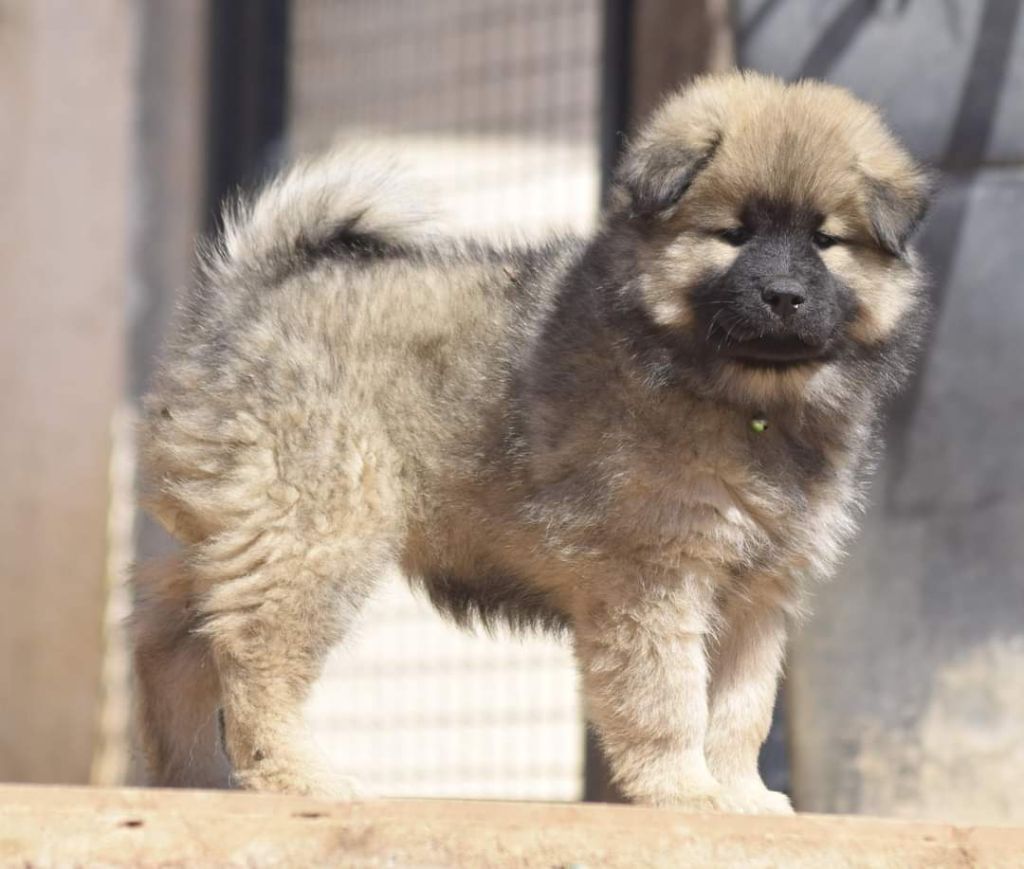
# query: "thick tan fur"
[[344, 395]]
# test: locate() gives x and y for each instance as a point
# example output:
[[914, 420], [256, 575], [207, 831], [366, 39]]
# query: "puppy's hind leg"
[[176, 688], [271, 630]]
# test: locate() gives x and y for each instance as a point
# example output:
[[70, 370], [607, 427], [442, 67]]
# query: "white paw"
[[754, 799], [700, 796], [298, 779]]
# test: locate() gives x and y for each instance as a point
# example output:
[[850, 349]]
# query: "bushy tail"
[[343, 194]]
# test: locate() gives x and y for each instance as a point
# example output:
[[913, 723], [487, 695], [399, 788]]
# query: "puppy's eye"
[[734, 235], [823, 241]]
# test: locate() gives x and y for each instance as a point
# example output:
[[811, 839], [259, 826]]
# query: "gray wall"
[[906, 689]]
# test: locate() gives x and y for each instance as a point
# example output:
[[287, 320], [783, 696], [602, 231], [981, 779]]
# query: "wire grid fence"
[[495, 104]]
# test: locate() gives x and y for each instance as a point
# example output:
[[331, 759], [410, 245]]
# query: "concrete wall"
[[65, 112], [906, 693]]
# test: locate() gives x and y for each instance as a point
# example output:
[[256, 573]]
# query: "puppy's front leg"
[[641, 648], [745, 671]]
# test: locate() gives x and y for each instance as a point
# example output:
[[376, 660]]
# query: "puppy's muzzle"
[[779, 322]]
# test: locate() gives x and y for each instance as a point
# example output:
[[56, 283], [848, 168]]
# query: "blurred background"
[[126, 121]]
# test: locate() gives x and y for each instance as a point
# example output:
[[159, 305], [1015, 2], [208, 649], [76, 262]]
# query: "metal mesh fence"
[[496, 104]]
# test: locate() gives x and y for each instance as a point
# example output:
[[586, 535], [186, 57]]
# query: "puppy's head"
[[769, 226]]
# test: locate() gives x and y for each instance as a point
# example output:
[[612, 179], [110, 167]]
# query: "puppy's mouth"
[[769, 351]]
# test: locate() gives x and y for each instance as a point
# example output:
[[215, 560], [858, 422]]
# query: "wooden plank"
[[50, 826], [168, 182], [671, 43], [66, 116]]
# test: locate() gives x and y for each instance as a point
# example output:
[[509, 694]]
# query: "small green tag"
[[759, 425]]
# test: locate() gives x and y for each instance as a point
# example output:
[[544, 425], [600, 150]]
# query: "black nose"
[[783, 296]]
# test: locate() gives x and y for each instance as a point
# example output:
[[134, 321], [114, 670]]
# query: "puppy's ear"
[[897, 206], [654, 176]]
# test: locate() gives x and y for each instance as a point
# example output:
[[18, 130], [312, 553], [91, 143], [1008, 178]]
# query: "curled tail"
[[342, 198]]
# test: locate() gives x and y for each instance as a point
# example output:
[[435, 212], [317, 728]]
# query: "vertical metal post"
[[616, 66], [247, 108]]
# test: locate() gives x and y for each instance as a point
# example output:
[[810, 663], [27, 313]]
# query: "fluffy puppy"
[[652, 438]]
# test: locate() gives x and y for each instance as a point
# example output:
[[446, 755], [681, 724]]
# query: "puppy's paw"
[[697, 802], [299, 780], [336, 787], [741, 800], [699, 798], [754, 799]]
